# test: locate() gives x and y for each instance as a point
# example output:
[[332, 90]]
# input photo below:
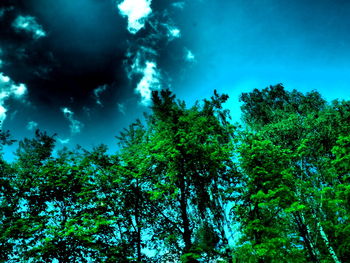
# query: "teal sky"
[[242, 45], [88, 66]]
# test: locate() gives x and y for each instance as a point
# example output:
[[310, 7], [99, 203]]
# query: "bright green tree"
[[307, 127], [190, 155]]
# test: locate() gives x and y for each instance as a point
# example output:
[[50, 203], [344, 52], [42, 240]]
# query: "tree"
[[139, 210], [66, 208], [308, 127], [265, 200], [179, 182], [8, 200], [190, 155]]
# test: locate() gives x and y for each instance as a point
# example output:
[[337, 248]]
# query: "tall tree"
[[190, 152], [308, 127], [139, 210], [266, 196]]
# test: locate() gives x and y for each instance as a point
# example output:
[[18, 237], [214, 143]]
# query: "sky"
[[85, 69]]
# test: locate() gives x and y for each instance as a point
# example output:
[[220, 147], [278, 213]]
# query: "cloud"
[[121, 108], [8, 90], [63, 141], [2, 114], [1, 61], [97, 93], [75, 125], [149, 82], [13, 115], [4, 79], [32, 125], [143, 63], [179, 5], [67, 112], [162, 28], [28, 24], [173, 32], [137, 12], [189, 56], [4, 10], [137, 60], [19, 90]]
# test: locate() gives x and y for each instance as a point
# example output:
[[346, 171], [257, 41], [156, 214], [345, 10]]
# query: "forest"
[[188, 185]]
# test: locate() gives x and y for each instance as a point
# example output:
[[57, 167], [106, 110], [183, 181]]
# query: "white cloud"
[[173, 32], [67, 112], [2, 114], [63, 141], [29, 24], [97, 93], [142, 56], [32, 125], [8, 90], [138, 60], [19, 90], [75, 125], [163, 29], [149, 81], [3, 78], [137, 12], [189, 56], [143, 63]]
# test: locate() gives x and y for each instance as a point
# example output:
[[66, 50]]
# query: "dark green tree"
[[8, 200]]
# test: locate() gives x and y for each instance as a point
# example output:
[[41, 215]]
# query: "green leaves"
[[182, 180], [295, 207], [342, 155], [295, 172]]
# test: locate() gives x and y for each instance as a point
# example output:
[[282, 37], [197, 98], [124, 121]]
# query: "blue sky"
[[88, 66], [241, 45]]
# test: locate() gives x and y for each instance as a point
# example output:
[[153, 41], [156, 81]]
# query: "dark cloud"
[[75, 56], [86, 45], [192, 47], [83, 48]]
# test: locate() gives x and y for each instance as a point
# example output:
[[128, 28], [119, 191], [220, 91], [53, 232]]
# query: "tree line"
[[188, 185]]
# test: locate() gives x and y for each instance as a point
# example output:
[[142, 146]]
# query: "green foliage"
[[183, 179], [310, 191], [190, 152], [190, 258]]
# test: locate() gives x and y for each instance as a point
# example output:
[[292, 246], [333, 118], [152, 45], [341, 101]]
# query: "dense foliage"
[[188, 186]]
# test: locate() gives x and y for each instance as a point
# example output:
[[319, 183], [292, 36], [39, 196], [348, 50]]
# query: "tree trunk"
[[184, 216], [326, 241], [137, 220], [304, 233], [139, 255]]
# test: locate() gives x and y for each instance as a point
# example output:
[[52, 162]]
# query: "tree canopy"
[[188, 185]]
